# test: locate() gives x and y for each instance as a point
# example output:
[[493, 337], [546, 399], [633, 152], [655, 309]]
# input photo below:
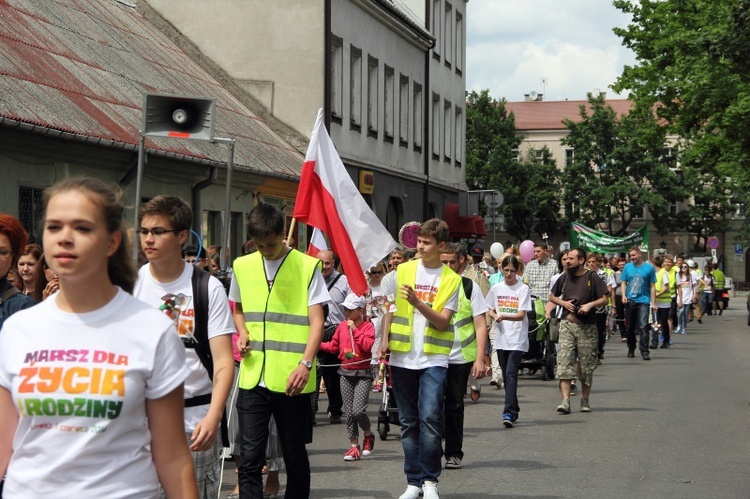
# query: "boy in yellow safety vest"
[[420, 340], [279, 294]]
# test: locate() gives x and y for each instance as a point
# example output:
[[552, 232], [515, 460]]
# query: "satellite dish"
[[533, 95]]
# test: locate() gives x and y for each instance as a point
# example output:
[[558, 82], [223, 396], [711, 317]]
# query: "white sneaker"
[[430, 490], [411, 492]]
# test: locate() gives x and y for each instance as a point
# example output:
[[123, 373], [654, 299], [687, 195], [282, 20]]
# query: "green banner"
[[594, 240]]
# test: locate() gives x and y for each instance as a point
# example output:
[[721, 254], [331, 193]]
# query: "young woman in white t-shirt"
[[687, 287], [509, 301], [91, 377]]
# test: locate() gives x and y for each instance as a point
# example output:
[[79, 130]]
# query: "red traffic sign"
[[713, 242]]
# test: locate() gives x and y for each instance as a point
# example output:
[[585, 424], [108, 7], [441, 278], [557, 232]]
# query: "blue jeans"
[[682, 317], [419, 396], [637, 320], [510, 361]]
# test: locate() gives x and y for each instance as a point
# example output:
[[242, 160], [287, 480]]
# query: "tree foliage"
[[693, 69], [530, 189], [618, 168]]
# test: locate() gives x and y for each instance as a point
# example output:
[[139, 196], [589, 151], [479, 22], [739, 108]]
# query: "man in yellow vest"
[[467, 354], [419, 336], [279, 294]]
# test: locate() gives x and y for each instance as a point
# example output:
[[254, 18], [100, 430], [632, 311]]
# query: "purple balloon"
[[526, 251]]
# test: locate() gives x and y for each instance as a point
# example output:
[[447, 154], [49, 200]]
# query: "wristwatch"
[[307, 364]]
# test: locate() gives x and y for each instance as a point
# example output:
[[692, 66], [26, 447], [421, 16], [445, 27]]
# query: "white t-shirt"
[[376, 305], [175, 299], [508, 300], [81, 382], [427, 285], [686, 285], [478, 307]]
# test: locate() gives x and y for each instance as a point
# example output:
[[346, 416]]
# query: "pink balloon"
[[526, 251]]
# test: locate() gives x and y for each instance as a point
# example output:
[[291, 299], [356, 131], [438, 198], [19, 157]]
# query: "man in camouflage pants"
[[579, 292]]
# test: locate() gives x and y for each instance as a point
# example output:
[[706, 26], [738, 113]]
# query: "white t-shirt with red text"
[[508, 300], [80, 383]]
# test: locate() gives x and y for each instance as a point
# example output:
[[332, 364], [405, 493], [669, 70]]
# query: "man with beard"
[[579, 292]]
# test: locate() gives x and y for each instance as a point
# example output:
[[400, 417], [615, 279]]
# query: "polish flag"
[[317, 243], [328, 200]]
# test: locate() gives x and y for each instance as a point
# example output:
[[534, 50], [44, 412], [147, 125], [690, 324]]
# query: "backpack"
[[199, 282]]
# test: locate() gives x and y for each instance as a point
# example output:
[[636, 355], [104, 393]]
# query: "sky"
[[511, 45]]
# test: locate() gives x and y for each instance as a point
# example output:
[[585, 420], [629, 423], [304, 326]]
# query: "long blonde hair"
[[108, 198]]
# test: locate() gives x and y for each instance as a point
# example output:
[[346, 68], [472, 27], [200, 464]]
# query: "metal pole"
[[227, 206], [137, 203]]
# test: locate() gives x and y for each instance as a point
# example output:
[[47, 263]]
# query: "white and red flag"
[[328, 200], [317, 243]]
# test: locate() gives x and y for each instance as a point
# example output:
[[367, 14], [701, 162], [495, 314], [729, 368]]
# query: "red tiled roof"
[[548, 115], [82, 66]]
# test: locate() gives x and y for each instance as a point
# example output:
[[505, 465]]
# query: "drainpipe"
[[327, 62], [426, 122], [196, 194]]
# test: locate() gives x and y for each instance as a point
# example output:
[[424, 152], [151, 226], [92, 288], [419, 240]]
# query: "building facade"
[[389, 75]]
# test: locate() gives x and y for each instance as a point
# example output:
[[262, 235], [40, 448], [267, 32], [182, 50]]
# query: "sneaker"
[[631, 354], [623, 340], [453, 463], [377, 389], [700, 321], [646, 356], [430, 490], [493, 383], [368, 444], [334, 418], [573, 390], [564, 408], [721, 311], [411, 492], [654, 345], [508, 420], [475, 394], [353, 454], [664, 345], [585, 407]]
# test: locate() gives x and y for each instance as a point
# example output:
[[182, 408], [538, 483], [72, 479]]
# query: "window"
[[31, 211], [569, 157], [355, 86], [670, 158], [436, 24], [417, 132], [673, 209], [459, 134], [515, 155], [447, 131], [448, 34], [372, 94], [389, 101], [459, 62], [403, 109], [435, 126], [337, 82], [539, 156]]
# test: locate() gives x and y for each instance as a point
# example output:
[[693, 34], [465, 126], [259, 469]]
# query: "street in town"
[[676, 426]]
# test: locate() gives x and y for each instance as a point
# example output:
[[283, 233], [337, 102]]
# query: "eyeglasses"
[[156, 231], [5, 254], [684, 267], [377, 272]]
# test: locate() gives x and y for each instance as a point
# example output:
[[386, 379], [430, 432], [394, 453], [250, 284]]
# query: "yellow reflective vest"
[[463, 322], [277, 320], [435, 340], [658, 286]]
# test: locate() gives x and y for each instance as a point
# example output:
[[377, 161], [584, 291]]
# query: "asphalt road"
[[677, 426]]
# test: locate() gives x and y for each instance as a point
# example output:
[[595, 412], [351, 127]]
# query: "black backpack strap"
[[199, 282], [468, 285]]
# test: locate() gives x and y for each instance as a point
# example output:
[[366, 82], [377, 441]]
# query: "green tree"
[[693, 70], [618, 168], [530, 189]]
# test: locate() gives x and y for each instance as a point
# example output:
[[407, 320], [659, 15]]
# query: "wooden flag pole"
[[292, 227]]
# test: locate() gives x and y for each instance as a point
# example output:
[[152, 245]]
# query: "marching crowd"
[[95, 384]]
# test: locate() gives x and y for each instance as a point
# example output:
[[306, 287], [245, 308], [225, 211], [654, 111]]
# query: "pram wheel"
[[383, 430]]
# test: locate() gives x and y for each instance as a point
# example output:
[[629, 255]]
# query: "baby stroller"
[[388, 413], [542, 353]]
